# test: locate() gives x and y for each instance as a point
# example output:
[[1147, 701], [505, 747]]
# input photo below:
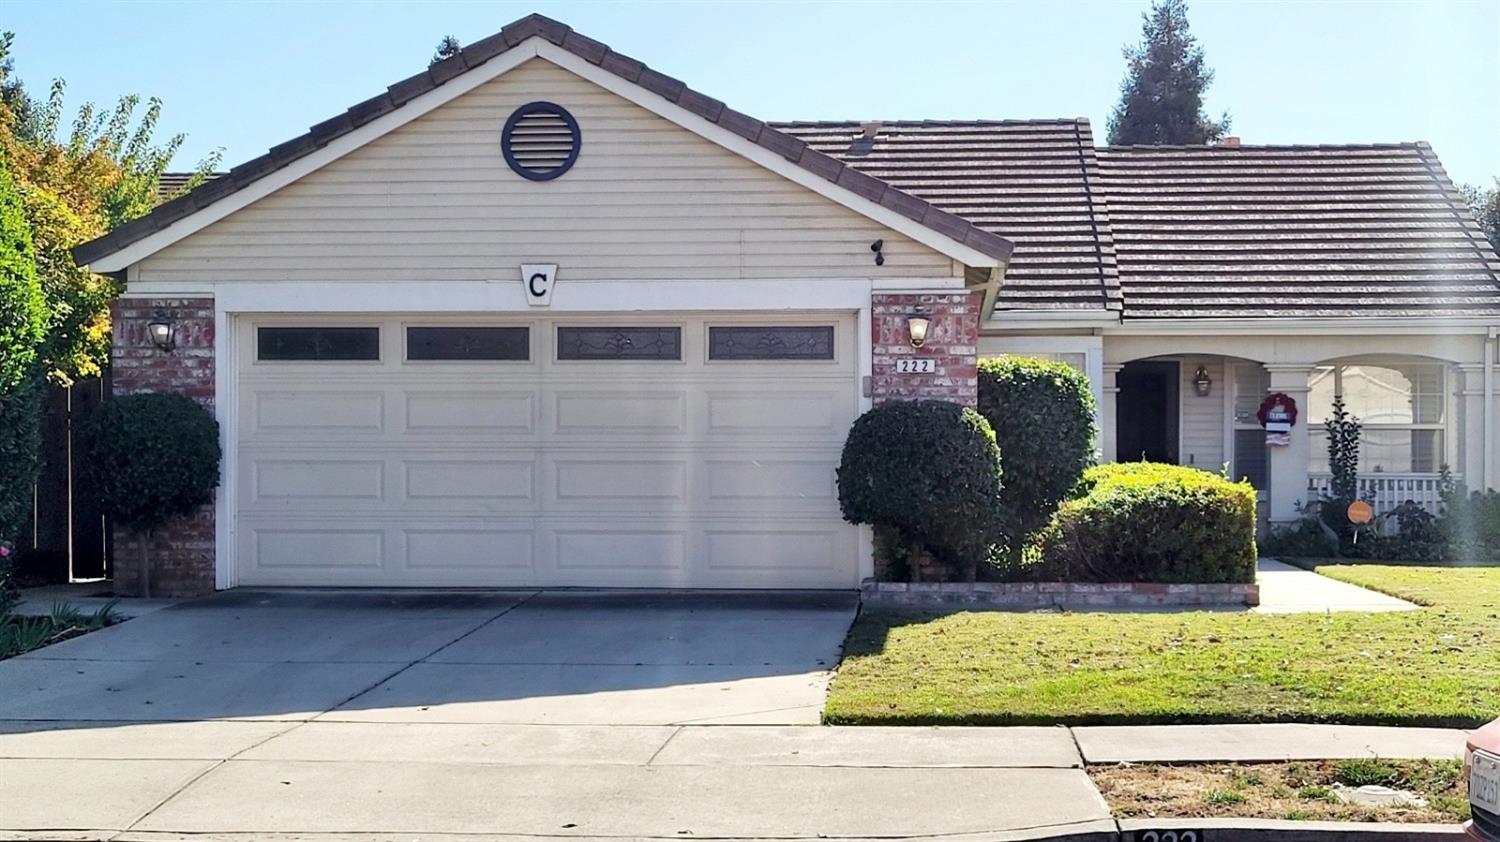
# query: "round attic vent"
[[540, 141]]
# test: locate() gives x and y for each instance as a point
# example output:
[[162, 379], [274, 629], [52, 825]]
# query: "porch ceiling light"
[[917, 325], [163, 332], [1202, 383]]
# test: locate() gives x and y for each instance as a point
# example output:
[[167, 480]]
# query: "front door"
[[1147, 418]]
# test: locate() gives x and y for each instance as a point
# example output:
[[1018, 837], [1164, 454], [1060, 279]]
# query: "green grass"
[[1437, 666]]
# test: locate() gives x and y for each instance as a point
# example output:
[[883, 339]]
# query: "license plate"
[[1484, 782]]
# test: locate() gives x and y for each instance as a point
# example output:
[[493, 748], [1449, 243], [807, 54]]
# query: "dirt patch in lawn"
[[1305, 790]]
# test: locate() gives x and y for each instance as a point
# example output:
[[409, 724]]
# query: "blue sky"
[[247, 75]]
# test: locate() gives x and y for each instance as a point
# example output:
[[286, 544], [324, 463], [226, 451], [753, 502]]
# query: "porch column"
[[1109, 394], [1289, 465], [1471, 455]]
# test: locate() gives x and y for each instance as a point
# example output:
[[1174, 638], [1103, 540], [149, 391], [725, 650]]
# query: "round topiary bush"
[[151, 457], [1149, 522], [927, 470], [1043, 416]]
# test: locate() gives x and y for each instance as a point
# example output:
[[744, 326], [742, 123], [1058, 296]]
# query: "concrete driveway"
[[321, 715], [607, 658]]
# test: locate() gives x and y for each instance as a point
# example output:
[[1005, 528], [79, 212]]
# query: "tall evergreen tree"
[[1161, 99]]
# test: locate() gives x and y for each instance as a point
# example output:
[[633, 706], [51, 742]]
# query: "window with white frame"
[[1403, 407]]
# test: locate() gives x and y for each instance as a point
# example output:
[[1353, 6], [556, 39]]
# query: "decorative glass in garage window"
[[619, 343], [784, 342], [468, 343], [317, 343]]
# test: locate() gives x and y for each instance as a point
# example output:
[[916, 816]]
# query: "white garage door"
[[621, 452]]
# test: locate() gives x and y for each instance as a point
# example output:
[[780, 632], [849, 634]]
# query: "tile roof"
[[1216, 232], [1294, 231], [481, 51], [1034, 182]]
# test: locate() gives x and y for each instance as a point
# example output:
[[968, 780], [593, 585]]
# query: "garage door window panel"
[[619, 343], [777, 342], [468, 344], [317, 344]]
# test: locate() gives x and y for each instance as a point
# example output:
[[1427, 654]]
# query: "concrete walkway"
[[388, 780], [87, 597], [1263, 743], [1285, 589]]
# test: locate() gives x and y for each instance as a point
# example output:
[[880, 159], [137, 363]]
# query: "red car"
[[1482, 765]]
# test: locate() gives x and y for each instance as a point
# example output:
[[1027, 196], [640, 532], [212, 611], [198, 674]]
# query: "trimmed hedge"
[[928, 470], [1149, 522], [152, 457], [1043, 415]]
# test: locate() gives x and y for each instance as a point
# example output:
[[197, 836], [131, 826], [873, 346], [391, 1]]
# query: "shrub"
[[20, 443], [151, 457], [1418, 538], [1304, 539], [1043, 416], [930, 472], [1470, 526], [22, 325], [1148, 522]]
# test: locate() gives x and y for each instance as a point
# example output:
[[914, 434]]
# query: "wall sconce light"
[[1202, 383], [917, 325], [163, 332], [879, 248]]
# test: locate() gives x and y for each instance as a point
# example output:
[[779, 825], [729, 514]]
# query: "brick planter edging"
[[1026, 596]]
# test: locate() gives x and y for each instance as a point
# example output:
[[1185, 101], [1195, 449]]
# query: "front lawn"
[[1438, 666]]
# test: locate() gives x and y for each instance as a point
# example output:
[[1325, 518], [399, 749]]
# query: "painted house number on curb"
[[912, 365], [1167, 836]]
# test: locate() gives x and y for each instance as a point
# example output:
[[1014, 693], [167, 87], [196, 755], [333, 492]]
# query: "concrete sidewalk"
[[384, 780], [379, 780]]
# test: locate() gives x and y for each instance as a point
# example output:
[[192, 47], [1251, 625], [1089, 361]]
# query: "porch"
[[1425, 403]]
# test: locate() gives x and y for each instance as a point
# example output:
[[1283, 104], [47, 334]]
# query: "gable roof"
[[1295, 231], [1034, 182], [952, 229]]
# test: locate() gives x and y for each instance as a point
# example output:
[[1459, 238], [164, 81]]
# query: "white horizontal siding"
[[1202, 443], [646, 200]]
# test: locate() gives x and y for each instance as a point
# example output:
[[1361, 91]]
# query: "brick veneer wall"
[[952, 340], [181, 552]]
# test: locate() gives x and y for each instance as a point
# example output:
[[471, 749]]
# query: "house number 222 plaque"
[[915, 365]]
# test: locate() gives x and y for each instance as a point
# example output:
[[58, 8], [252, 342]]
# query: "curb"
[[1280, 830]]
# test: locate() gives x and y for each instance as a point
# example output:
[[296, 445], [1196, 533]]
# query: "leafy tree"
[[104, 172], [22, 322], [446, 48], [1485, 205], [150, 458], [1161, 98]]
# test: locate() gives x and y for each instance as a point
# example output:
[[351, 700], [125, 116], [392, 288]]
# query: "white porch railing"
[[1386, 491]]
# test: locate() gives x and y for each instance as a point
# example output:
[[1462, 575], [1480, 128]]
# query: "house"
[[540, 315]]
